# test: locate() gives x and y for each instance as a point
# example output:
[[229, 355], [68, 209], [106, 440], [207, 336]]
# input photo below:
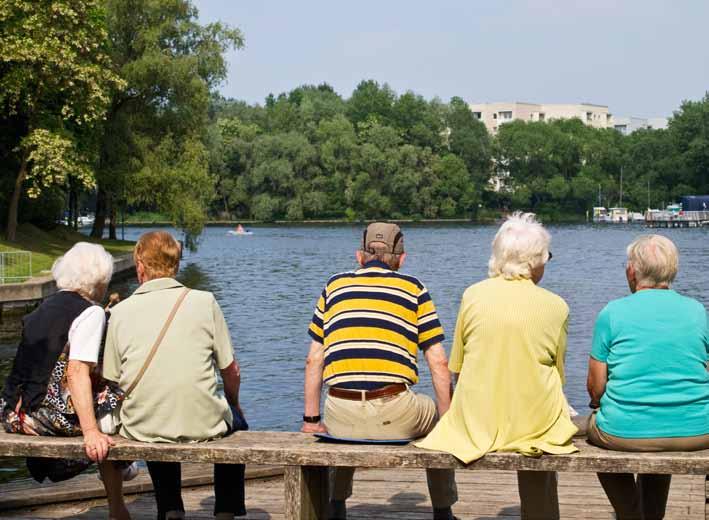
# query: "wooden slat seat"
[[306, 459]]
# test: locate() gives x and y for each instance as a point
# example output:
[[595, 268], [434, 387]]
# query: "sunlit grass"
[[47, 246]]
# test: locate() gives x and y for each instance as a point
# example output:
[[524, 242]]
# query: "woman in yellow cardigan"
[[508, 350]]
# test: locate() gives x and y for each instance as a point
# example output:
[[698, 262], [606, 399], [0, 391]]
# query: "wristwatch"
[[311, 418]]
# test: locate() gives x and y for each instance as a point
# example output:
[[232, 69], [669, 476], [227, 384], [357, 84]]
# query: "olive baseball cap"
[[386, 233]]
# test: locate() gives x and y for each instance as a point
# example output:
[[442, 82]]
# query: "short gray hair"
[[655, 259], [520, 245], [84, 268]]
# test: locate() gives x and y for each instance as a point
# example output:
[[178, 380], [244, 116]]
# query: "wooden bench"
[[306, 460]]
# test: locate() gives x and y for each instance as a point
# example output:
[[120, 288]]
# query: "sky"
[[640, 57]]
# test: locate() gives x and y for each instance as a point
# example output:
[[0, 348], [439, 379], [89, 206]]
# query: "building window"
[[507, 114], [541, 116], [494, 116], [477, 115], [589, 115]]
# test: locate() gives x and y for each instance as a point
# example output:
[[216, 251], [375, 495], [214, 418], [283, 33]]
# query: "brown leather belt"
[[367, 395]]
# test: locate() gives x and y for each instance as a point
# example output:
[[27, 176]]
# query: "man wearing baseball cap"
[[367, 330]]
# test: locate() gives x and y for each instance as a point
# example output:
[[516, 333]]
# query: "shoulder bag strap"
[[165, 327]]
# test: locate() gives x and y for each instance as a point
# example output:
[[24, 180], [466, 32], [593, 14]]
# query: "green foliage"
[[55, 83], [310, 154], [52, 157], [689, 129], [174, 177], [54, 60], [169, 62]]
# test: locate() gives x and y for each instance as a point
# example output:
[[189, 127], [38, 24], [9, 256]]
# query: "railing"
[[15, 266]]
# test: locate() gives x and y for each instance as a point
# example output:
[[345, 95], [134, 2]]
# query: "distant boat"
[[600, 215], [618, 215]]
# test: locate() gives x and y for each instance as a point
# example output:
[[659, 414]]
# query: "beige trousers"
[[402, 416], [646, 497]]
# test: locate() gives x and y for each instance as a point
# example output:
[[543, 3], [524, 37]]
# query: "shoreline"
[[341, 222]]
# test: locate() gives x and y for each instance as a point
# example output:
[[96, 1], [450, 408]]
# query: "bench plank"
[[298, 449]]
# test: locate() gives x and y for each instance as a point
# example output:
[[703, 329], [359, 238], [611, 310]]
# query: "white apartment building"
[[628, 125], [495, 114]]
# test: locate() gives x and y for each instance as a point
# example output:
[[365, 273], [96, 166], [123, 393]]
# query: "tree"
[[689, 128], [371, 101], [175, 178], [654, 164], [468, 139], [420, 123], [55, 79], [170, 63]]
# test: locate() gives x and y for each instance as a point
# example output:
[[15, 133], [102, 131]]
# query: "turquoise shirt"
[[655, 343]]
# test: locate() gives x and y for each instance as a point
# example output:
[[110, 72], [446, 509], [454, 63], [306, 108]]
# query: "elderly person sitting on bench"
[[367, 330], [164, 346], [508, 348], [49, 390], [648, 376]]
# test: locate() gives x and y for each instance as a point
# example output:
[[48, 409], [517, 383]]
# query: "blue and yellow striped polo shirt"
[[372, 323]]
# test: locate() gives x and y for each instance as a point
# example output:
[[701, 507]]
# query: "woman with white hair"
[[49, 390], [508, 350], [648, 375]]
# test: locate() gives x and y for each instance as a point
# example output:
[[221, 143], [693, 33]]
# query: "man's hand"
[[97, 445], [313, 428]]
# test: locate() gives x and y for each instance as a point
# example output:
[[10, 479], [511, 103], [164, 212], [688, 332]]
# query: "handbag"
[[110, 423]]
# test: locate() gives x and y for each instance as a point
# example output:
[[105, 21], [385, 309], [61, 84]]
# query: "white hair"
[[655, 259], [520, 245], [84, 268]]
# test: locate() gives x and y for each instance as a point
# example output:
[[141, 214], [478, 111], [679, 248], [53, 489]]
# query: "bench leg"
[[306, 490]]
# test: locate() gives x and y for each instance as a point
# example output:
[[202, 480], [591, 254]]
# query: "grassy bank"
[[47, 246]]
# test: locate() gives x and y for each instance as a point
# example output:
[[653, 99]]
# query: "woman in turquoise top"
[[648, 376]]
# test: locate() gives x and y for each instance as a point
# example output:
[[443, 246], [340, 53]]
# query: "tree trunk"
[[112, 222], [77, 213], [100, 214], [11, 232], [73, 220], [70, 218]]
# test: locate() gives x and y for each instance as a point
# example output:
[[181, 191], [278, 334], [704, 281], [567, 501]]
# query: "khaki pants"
[[402, 416], [646, 497]]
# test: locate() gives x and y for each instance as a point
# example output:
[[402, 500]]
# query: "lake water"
[[267, 285]]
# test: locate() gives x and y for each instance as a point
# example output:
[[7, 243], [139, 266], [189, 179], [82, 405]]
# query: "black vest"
[[44, 335]]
